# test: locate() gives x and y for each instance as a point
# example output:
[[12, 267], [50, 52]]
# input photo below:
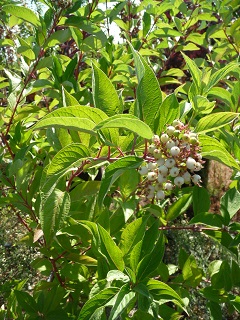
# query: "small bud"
[[158, 186], [169, 163], [179, 181], [174, 172], [160, 195], [164, 138]]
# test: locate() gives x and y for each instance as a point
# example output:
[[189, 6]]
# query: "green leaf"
[[113, 172], [68, 158], [132, 234], [58, 37], [209, 219], [163, 293], [127, 121], [105, 96], [128, 183], [110, 250], [179, 207], [202, 105], [149, 96], [195, 72], [220, 74], [192, 275], [68, 99], [220, 273], [215, 310], [169, 111], [215, 121], [231, 201], [213, 149], [123, 299], [27, 302], [71, 123], [85, 112], [152, 260], [22, 13], [201, 200], [54, 210], [96, 302]]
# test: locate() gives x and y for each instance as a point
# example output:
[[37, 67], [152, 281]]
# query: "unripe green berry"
[[151, 148], [194, 141]]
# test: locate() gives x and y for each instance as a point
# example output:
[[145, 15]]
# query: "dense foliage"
[[104, 151]]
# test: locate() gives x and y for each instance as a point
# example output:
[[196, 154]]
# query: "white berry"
[[152, 166], [177, 123], [198, 166], [151, 148], [179, 181], [156, 139], [160, 195], [187, 177], [143, 170], [196, 178], [174, 151], [170, 130], [150, 196], [164, 138], [169, 163], [170, 144], [190, 163], [168, 186], [160, 162], [157, 154], [161, 178], [174, 172], [152, 176], [163, 170]]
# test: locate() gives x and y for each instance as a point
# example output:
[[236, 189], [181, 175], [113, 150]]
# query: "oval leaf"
[[213, 149], [22, 13], [105, 96], [215, 121], [127, 121]]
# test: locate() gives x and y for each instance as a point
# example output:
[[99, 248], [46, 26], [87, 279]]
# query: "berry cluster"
[[172, 160]]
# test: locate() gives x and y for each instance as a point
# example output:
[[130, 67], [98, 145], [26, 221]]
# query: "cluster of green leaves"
[[78, 112]]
